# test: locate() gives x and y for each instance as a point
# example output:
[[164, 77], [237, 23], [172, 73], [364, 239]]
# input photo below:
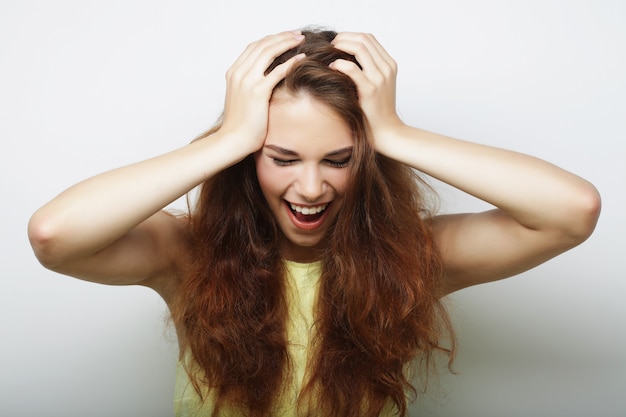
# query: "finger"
[[366, 38], [360, 51], [259, 54], [374, 72], [253, 46], [271, 51], [349, 68], [357, 43], [280, 71]]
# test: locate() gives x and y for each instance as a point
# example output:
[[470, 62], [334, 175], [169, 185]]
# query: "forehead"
[[300, 122]]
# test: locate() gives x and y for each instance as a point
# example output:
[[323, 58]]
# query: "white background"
[[87, 86]]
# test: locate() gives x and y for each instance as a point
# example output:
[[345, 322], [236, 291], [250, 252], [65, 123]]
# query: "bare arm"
[[110, 228], [541, 210]]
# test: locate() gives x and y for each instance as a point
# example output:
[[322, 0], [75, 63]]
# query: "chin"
[[305, 243], [296, 248]]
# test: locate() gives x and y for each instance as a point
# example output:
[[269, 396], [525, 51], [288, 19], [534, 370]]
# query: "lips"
[[307, 217]]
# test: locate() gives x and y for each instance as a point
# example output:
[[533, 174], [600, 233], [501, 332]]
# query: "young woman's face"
[[302, 170]]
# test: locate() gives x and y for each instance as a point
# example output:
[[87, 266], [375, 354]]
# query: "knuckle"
[[361, 36], [344, 66], [233, 76], [255, 43], [367, 89], [247, 84], [256, 89], [389, 71], [360, 48], [378, 79]]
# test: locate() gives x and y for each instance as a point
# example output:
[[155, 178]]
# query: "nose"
[[310, 184]]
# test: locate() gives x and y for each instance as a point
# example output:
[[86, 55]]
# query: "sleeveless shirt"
[[301, 290]]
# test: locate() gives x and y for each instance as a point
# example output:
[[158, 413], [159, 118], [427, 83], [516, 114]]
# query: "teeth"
[[308, 210]]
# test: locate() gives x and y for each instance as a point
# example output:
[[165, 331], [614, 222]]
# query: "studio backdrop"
[[86, 86]]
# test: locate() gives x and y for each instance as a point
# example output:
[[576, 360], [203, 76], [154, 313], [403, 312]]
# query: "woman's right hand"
[[248, 89], [109, 228]]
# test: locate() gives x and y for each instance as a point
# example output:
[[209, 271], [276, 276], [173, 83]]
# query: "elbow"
[[43, 240], [583, 214]]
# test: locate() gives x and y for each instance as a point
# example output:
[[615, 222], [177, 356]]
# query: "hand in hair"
[[248, 89], [376, 82], [541, 210]]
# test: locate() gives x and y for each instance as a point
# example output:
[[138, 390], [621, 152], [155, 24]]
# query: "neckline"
[[301, 265]]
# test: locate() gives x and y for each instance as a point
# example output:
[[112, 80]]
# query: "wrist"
[[387, 140]]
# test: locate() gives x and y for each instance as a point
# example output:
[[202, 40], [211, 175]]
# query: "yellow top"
[[302, 284]]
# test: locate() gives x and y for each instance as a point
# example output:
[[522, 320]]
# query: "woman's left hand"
[[376, 82]]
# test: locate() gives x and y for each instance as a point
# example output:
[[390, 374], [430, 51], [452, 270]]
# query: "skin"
[[542, 210], [111, 230], [305, 167]]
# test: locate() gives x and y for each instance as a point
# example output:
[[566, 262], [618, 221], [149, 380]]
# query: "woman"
[[307, 278]]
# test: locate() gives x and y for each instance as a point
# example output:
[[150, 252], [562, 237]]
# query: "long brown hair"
[[378, 309]]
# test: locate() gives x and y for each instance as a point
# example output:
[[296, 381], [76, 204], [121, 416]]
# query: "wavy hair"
[[378, 314]]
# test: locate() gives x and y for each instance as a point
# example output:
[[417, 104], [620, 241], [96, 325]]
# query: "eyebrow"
[[289, 152]]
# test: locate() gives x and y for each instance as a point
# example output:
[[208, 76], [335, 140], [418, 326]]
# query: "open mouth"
[[307, 217]]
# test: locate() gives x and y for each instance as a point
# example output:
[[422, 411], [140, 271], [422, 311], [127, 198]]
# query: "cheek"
[[339, 180], [269, 179]]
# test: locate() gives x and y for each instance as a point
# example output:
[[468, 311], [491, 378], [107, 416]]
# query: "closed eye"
[[283, 162], [338, 164]]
